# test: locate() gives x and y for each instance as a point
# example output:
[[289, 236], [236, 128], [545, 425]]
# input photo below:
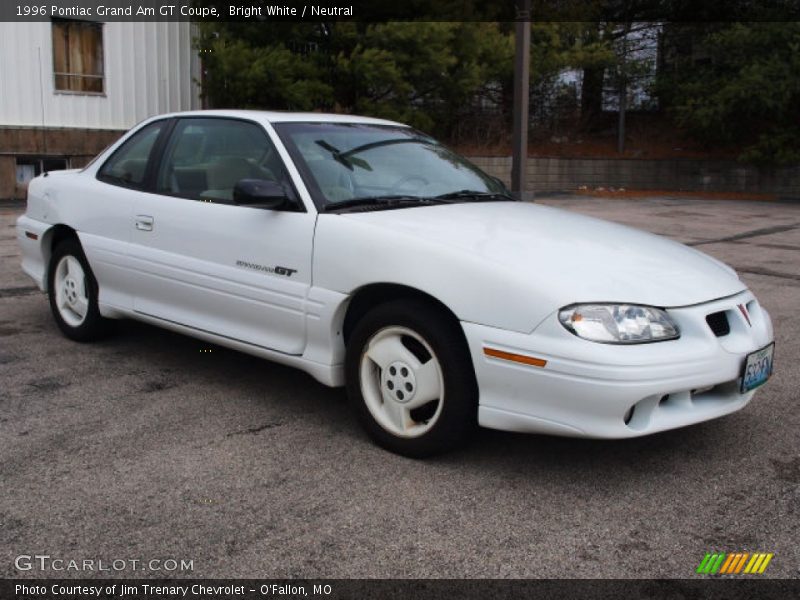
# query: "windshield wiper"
[[371, 145], [382, 202], [342, 157], [475, 196], [403, 200]]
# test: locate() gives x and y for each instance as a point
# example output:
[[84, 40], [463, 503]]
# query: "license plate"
[[757, 368]]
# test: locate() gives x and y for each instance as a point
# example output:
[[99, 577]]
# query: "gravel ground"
[[142, 447]]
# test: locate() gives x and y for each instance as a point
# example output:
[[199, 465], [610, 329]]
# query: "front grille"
[[718, 322]]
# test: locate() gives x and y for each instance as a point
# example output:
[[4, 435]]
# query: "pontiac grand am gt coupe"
[[369, 255]]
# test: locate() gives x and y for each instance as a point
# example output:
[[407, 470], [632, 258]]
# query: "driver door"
[[205, 263]]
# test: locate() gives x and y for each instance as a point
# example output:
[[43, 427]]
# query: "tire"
[[410, 379], [72, 290]]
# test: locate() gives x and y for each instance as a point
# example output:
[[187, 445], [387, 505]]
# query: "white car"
[[368, 255]]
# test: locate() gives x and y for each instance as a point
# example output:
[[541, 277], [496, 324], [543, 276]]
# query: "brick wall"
[[78, 145]]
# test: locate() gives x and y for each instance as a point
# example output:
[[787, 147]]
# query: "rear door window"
[[128, 165]]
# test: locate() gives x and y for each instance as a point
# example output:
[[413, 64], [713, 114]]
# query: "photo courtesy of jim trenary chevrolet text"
[[430, 299]]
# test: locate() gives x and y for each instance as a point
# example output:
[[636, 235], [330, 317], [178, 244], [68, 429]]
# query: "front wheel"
[[411, 380]]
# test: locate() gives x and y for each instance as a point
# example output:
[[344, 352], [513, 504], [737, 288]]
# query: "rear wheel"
[[72, 291], [410, 379]]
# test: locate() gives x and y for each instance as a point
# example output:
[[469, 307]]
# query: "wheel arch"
[[371, 295], [52, 238], [425, 315]]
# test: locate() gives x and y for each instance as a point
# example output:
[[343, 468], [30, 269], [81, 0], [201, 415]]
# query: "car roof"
[[274, 116]]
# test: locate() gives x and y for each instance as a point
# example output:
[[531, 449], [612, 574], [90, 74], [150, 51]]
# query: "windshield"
[[345, 163]]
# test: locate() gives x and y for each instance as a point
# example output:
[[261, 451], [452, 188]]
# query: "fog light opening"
[[628, 415], [702, 390], [664, 400]]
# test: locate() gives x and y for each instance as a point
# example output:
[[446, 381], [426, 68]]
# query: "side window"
[[128, 165], [205, 158]]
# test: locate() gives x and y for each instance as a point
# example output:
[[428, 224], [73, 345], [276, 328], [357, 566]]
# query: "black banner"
[[410, 589], [407, 10]]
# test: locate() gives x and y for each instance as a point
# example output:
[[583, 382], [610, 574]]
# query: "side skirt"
[[330, 375]]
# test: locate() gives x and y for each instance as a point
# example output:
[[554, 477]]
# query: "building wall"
[[150, 68], [562, 174]]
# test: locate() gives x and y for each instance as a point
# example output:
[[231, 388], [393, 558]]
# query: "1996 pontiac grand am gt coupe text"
[[367, 254]]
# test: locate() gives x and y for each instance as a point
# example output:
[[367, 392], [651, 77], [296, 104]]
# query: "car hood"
[[574, 257]]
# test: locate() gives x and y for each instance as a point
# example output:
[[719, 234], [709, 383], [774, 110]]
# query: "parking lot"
[[148, 446]]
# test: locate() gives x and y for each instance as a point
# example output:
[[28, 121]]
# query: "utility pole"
[[623, 89], [522, 67]]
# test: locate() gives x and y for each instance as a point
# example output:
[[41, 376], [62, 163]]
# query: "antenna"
[[41, 102]]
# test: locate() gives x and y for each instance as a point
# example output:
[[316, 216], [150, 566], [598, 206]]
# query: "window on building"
[[78, 57], [29, 167]]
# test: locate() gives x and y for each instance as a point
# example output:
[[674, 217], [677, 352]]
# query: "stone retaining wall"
[[563, 174]]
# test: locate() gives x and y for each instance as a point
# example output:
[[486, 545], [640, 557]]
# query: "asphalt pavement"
[[148, 446]]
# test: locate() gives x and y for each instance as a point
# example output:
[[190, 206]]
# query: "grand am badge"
[[276, 270]]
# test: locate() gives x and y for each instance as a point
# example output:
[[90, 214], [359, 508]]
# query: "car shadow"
[[295, 395]]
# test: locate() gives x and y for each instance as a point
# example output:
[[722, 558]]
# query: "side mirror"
[[259, 193]]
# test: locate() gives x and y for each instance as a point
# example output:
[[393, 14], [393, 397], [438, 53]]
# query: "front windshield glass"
[[347, 162]]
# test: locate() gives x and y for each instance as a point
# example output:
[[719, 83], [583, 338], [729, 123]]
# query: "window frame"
[[151, 177], [102, 76], [153, 157]]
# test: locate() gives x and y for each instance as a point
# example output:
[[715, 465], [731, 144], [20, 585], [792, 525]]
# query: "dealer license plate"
[[757, 368]]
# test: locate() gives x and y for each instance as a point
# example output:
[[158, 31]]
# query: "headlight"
[[618, 323]]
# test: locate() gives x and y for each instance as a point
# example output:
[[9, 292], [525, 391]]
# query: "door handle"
[[144, 223]]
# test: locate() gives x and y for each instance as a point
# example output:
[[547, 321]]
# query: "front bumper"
[[587, 389]]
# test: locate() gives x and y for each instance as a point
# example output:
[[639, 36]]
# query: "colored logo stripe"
[[711, 563], [733, 563], [758, 563]]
